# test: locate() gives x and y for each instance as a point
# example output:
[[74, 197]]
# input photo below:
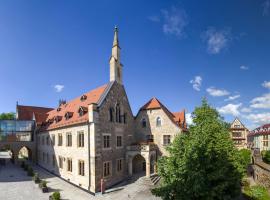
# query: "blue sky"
[[177, 51]]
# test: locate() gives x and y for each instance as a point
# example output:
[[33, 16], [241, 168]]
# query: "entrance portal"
[[138, 164]]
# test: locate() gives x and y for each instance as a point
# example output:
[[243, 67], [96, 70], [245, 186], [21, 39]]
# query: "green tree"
[[7, 116], [245, 157], [202, 164]]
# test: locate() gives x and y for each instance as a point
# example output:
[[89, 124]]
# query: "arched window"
[[158, 122], [111, 114], [143, 123], [117, 114]]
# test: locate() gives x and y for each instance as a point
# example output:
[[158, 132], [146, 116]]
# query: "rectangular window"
[[119, 165], [81, 139], [118, 141], [53, 140], [166, 139], [106, 141], [236, 134], [69, 165], [60, 159], [60, 139], [53, 160], [106, 169], [47, 140], [69, 140], [81, 167]]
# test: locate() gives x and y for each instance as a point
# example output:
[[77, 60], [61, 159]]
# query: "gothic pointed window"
[[111, 114], [158, 122]]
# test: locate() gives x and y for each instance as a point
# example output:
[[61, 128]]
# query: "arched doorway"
[[25, 153], [138, 164]]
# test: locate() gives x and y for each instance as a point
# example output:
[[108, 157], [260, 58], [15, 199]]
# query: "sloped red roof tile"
[[27, 112]]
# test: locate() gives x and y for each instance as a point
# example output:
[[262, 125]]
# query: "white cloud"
[[196, 83], [59, 88], [154, 18], [189, 119], [231, 98], [230, 109], [261, 102], [246, 110], [217, 92], [175, 21], [259, 118], [266, 7], [216, 40], [266, 84], [244, 67]]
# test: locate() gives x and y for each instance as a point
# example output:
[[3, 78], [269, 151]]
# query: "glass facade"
[[16, 130]]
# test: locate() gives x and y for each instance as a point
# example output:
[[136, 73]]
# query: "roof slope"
[[177, 117], [28, 112], [72, 108], [262, 130]]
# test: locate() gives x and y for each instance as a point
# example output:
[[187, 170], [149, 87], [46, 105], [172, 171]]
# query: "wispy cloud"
[[230, 109], [216, 40], [246, 110], [244, 67], [262, 102], [196, 83], [266, 7], [154, 18], [231, 98], [266, 84], [258, 118], [217, 92], [58, 87], [175, 21]]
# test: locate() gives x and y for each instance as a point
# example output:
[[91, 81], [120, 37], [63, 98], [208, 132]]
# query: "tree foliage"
[[202, 164], [266, 156], [7, 116]]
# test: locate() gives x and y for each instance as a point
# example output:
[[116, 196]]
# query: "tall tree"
[[202, 164], [7, 116]]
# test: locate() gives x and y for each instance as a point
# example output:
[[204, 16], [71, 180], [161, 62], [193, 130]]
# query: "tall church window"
[[117, 114], [111, 114], [143, 123], [158, 122]]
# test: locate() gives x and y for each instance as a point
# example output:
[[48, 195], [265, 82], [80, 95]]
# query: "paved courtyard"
[[15, 184]]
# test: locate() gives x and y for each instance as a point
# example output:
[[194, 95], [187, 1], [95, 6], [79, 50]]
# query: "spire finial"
[[115, 39]]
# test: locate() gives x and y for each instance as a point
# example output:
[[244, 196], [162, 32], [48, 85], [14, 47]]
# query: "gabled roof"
[[93, 96], [30, 112], [177, 117]]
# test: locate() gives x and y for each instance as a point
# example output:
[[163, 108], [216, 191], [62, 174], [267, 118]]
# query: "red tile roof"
[[262, 130], [27, 112], [72, 108], [178, 117]]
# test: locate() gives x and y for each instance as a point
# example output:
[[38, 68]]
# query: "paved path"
[[16, 185]]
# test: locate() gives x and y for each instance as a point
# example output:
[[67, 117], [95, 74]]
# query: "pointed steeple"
[[115, 64], [115, 39]]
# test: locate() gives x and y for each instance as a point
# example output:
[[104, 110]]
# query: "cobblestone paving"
[[16, 185]]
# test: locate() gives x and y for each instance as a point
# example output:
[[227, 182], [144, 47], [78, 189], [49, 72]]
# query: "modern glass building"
[[16, 130]]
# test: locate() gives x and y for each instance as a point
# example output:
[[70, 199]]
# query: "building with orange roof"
[[95, 138]]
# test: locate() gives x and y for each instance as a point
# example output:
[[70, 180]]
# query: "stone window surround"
[[166, 137], [69, 167], [121, 135], [122, 164], [69, 143], [79, 169], [60, 135], [78, 139], [158, 125], [110, 135], [110, 169]]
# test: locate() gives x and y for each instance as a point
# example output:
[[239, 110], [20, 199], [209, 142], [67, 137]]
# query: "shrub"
[[30, 171], [43, 184], [266, 156], [36, 178], [56, 196], [256, 193]]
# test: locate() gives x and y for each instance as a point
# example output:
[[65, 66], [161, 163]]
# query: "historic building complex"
[[96, 136], [239, 134], [260, 137]]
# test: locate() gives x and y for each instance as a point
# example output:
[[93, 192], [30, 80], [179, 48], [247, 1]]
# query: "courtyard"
[[15, 184]]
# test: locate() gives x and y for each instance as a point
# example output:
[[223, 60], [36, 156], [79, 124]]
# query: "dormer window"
[[58, 109], [57, 119], [83, 97], [68, 115], [82, 110]]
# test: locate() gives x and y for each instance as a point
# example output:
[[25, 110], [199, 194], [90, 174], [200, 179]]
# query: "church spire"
[[115, 64]]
